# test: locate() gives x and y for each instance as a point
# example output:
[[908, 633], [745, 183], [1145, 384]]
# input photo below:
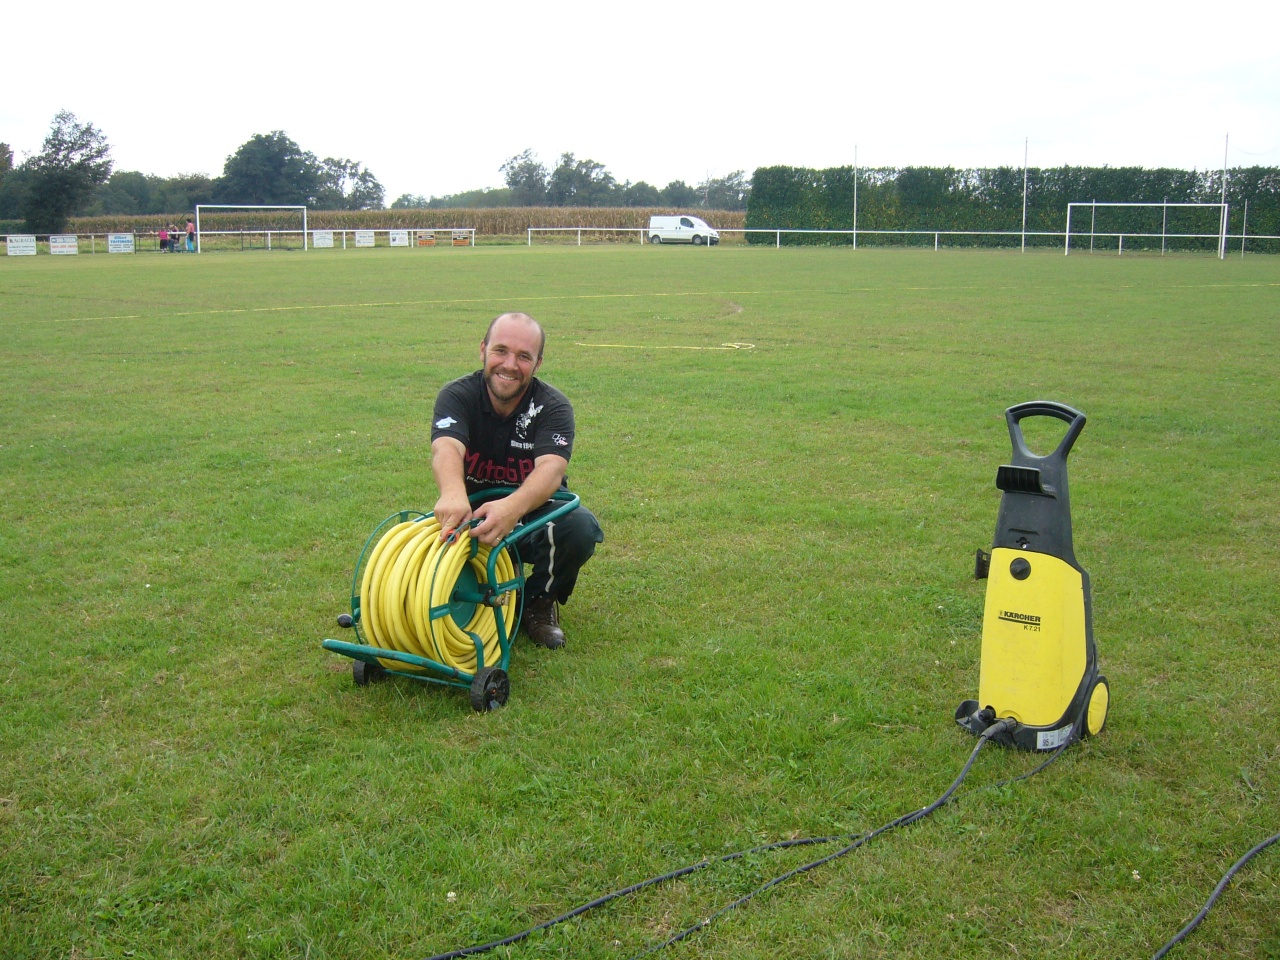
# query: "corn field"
[[493, 221]]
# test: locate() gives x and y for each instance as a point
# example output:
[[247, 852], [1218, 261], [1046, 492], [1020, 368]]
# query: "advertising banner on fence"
[[64, 244], [119, 243], [322, 238], [364, 238], [399, 238], [21, 245]]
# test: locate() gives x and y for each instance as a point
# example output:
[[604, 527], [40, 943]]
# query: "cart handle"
[[567, 499]]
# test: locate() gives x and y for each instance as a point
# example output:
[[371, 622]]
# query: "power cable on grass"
[[858, 841]]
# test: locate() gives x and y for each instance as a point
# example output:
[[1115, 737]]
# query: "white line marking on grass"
[[666, 346], [581, 296], [293, 308], [421, 303]]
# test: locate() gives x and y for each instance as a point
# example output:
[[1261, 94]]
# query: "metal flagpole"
[[1025, 150], [1222, 236]]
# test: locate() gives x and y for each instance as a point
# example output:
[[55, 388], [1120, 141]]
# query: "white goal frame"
[[252, 206], [1223, 211]]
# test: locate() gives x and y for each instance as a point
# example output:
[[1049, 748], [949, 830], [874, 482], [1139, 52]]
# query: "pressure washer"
[[440, 607], [1039, 669]]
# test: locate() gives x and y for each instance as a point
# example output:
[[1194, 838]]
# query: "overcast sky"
[[432, 97]]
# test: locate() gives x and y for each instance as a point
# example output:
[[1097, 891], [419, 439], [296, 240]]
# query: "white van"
[[681, 230]]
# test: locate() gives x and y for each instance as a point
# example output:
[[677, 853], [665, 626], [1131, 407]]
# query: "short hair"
[[542, 334]]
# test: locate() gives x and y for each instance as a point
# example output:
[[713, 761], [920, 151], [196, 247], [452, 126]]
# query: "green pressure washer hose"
[[407, 595]]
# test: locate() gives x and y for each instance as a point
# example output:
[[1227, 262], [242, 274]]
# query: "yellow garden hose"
[[412, 572]]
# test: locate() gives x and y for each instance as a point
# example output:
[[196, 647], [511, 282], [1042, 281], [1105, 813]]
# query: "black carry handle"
[[1044, 408]]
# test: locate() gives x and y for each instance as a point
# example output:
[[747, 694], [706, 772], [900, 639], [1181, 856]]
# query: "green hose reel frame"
[[489, 685]]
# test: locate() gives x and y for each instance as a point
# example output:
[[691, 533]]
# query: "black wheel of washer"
[[366, 673], [490, 689]]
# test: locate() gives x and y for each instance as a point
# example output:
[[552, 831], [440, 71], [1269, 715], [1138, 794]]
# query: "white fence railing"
[[150, 241], [30, 244], [937, 235]]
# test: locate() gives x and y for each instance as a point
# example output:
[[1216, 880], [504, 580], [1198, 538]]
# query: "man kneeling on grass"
[[503, 427]]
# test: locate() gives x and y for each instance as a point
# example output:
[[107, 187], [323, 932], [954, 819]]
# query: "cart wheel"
[[490, 689], [366, 673], [1095, 717]]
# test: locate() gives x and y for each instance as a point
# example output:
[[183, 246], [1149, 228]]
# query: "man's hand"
[[452, 511], [498, 518]]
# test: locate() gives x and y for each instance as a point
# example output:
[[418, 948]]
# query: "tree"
[[74, 160], [527, 179], [13, 192], [10, 194], [640, 195], [473, 199], [345, 185], [725, 193], [580, 183], [677, 193], [183, 192], [269, 169], [127, 192], [924, 192], [409, 201]]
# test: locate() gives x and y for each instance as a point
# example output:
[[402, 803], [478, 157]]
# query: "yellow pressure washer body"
[[1039, 663]]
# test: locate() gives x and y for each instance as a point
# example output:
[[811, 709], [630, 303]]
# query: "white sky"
[[433, 96]]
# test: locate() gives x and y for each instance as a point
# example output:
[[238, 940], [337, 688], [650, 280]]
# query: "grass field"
[[770, 644]]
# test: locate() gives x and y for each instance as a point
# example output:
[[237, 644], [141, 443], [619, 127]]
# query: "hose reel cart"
[[442, 611]]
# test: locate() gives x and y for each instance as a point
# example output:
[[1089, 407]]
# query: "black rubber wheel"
[[490, 689], [698, 241], [654, 238], [366, 673]]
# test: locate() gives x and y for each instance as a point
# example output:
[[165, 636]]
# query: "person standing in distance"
[[503, 427]]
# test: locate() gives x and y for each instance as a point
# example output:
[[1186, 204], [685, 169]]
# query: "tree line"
[[72, 176], [586, 183], [991, 199]]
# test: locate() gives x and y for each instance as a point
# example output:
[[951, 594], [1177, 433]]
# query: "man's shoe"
[[542, 622]]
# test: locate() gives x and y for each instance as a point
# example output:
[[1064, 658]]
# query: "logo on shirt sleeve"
[[559, 440], [446, 423]]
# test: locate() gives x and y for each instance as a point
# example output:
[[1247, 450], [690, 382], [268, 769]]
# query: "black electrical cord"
[[859, 841], [1217, 891], [902, 821], [634, 888]]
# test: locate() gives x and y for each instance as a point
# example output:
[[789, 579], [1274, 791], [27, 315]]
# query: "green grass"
[[770, 643]]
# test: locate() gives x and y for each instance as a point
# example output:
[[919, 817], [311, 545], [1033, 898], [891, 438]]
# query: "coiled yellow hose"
[[410, 572]]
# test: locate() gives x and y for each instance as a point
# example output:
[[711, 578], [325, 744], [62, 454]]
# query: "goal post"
[[250, 206], [1220, 235]]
